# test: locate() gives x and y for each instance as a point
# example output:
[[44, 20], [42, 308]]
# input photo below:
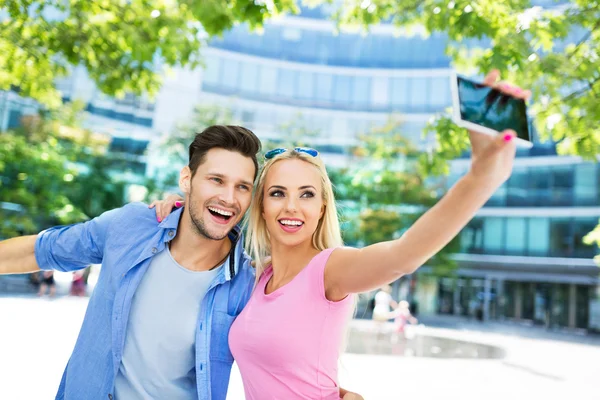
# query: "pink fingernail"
[[178, 204], [158, 219], [508, 137]]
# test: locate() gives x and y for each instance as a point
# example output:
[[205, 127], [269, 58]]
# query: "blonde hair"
[[326, 236]]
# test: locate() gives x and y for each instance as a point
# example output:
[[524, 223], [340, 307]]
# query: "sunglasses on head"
[[306, 150]]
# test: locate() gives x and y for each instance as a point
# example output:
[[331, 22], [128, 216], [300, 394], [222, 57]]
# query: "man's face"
[[220, 192]]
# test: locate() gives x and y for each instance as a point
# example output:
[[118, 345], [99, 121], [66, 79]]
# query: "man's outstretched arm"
[[17, 255], [62, 248]]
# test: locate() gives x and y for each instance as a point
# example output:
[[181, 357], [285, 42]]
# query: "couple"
[[158, 323]]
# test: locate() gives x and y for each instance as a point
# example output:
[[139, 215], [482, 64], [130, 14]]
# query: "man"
[[157, 323]]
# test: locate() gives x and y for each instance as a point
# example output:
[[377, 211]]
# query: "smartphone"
[[483, 109]]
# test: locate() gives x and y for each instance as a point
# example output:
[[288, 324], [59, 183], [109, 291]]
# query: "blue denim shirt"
[[124, 241]]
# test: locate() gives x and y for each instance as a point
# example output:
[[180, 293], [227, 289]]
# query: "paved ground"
[[37, 336]]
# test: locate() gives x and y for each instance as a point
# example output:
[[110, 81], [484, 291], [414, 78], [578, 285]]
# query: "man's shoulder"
[[138, 208], [245, 268], [138, 213]]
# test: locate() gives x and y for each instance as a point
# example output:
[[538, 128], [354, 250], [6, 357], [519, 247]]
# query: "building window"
[[471, 238], [440, 93], [587, 185], [212, 73], [581, 227], [493, 235], [342, 93], [249, 79], [516, 238], [538, 236], [399, 93], [561, 237], [305, 85], [231, 71], [562, 185], [286, 84], [361, 91], [539, 186], [268, 80], [419, 94], [324, 87], [517, 188]]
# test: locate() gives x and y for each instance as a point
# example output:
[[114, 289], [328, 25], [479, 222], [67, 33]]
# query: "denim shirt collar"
[[234, 260]]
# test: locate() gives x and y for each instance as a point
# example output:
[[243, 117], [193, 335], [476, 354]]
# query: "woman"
[[287, 340]]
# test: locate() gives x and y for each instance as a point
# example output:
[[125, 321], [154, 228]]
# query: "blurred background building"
[[521, 258]]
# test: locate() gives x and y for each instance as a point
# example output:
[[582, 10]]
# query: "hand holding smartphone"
[[484, 109]]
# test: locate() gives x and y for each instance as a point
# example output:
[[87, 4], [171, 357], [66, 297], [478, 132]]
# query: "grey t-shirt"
[[159, 359]]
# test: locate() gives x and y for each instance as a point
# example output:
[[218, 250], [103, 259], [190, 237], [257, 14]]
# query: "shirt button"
[[110, 397], [154, 250], [171, 233]]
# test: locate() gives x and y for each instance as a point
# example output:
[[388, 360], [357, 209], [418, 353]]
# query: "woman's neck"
[[288, 261]]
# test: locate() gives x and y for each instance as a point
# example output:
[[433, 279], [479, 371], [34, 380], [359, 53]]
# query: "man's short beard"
[[198, 222]]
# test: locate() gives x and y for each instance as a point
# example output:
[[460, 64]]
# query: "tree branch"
[[576, 93], [585, 38]]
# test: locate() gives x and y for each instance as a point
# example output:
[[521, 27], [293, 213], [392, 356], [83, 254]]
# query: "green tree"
[[34, 179], [54, 172], [124, 45]]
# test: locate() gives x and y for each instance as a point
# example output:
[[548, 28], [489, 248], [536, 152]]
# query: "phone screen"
[[488, 107]]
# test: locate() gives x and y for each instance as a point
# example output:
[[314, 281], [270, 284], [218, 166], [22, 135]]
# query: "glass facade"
[[532, 236], [549, 185], [120, 116], [301, 87], [322, 47], [129, 101]]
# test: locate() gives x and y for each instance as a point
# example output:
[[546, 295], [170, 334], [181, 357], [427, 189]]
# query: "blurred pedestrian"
[[404, 317], [78, 283], [47, 283], [384, 305]]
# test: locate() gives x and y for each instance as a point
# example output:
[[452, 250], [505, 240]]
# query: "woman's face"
[[293, 201]]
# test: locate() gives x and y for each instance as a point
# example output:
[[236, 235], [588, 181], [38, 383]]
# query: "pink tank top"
[[287, 343]]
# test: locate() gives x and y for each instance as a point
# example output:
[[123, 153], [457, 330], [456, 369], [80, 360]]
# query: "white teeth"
[[290, 222], [225, 213]]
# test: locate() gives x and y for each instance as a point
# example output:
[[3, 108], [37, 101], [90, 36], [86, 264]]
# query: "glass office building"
[[521, 258]]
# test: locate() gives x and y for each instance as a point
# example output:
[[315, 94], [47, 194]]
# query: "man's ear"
[[185, 179]]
